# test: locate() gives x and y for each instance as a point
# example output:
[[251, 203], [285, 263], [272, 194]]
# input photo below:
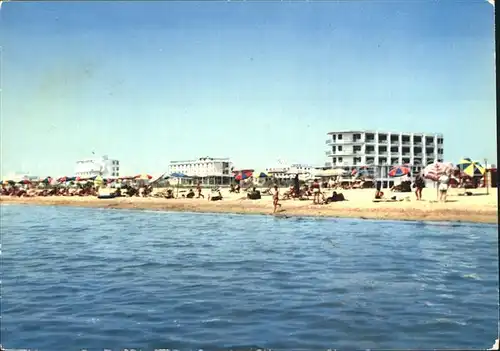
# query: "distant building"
[[102, 166], [18, 176], [211, 170], [284, 171]]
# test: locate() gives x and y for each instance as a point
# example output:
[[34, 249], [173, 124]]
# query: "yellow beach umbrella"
[[260, 174], [471, 168], [98, 181]]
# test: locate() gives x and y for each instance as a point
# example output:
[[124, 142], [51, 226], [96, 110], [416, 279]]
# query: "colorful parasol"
[[260, 175], [434, 170], [143, 177], [471, 168], [243, 175], [399, 171]]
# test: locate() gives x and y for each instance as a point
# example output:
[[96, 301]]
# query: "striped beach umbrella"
[[471, 168], [434, 170], [399, 171]]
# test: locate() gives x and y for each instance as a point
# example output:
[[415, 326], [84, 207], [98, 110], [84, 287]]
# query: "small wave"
[[472, 276]]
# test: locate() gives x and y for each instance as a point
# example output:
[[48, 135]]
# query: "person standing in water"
[[276, 198]]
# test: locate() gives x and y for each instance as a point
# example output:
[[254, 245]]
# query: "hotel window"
[[340, 159], [340, 148], [340, 137]]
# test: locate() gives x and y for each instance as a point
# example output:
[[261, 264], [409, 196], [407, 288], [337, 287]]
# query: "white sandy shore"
[[480, 208]]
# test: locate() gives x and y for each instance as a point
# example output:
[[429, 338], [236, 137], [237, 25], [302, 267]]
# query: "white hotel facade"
[[103, 166], [382, 150], [211, 170]]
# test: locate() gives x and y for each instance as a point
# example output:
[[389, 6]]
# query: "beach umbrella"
[[47, 180], [98, 181], [435, 170], [399, 171], [179, 176], [471, 168], [66, 179], [143, 177], [243, 175], [260, 175], [24, 181]]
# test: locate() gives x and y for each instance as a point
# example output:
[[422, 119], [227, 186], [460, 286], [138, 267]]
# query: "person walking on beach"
[[198, 189], [419, 184], [276, 198]]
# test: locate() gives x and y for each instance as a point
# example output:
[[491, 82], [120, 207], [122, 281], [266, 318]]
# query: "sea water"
[[76, 278]]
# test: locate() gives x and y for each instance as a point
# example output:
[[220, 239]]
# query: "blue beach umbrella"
[[178, 176]]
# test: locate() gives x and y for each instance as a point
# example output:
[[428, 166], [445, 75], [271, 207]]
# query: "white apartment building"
[[103, 166], [203, 167], [383, 149]]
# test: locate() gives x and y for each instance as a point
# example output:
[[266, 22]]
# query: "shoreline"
[[403, 211]]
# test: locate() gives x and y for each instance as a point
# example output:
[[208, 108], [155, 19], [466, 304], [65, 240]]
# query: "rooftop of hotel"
[[383, 132]]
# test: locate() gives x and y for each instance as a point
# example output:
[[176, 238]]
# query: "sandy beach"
[[479, 208]]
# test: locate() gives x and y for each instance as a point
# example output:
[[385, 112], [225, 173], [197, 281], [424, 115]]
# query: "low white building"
[[284, 171], [103, 166], [18, 176], [212, 170]]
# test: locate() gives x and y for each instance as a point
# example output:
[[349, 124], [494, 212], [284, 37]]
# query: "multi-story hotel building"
[[383, 150], [103, 166], [211, 170]]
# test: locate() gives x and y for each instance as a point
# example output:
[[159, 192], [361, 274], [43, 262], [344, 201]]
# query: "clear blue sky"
[[150, 82]]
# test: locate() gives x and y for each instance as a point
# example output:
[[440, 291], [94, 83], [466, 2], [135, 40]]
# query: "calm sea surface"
[[94, 278]]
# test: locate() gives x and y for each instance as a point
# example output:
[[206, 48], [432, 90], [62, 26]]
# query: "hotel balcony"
[[385, 141]]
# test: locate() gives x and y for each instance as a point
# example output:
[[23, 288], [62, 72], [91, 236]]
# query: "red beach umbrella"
[[143, 176], [243, 175], [399, 171]]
